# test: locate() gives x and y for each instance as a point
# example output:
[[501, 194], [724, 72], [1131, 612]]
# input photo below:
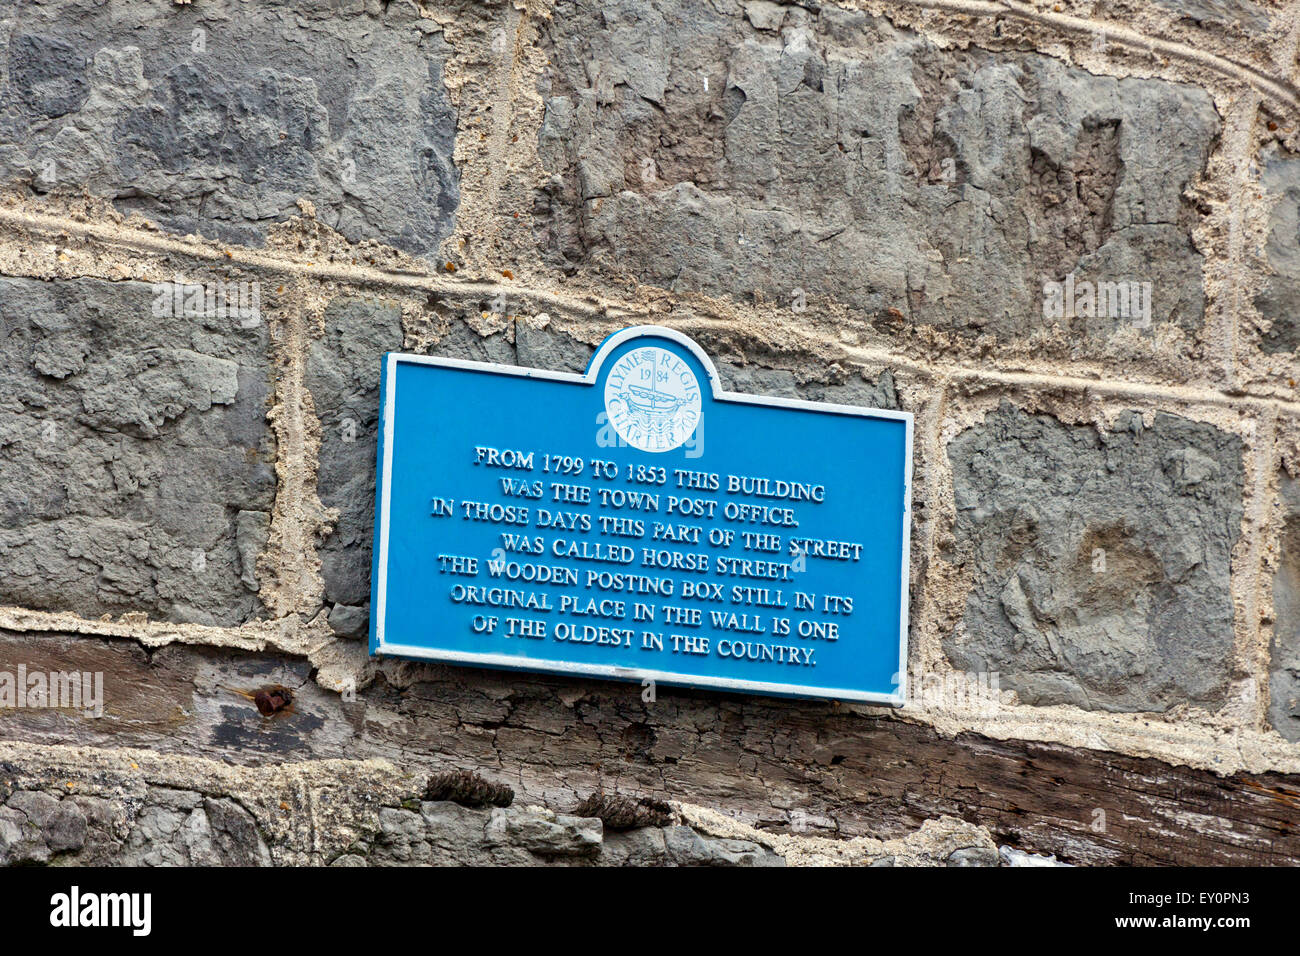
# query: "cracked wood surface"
[[770, 763]]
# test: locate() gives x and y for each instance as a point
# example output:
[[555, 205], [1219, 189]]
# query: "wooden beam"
[[774, 763]]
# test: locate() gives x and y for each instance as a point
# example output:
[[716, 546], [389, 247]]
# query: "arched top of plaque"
[[636, 336], [618, 341]]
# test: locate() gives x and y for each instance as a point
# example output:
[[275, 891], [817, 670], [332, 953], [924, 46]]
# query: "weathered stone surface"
[[1252, 17], [164, 826], [974, 856], [682, 846], [135, 452], [349, 621], [1279, 301], [343, 375], [217, 117], [443, 833], [753, 148], [688, 848], [543, 833], [546, 348], [1284, 679], [1100, 561], [34, 827], [207, 832], [782, 383]]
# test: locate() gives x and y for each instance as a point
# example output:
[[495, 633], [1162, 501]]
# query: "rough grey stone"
[[461, 341], [401, 835], [150, 840], [166, 828], [735, 149], [688, 848], [974, 856], [443, 832], [1284, 679], [783, 383], [641, 847], [681, 846], [124, 821], [1100, 561], [217, 833], [546, 348], [38, 807], [217, 117], [136, 454], [170, 799], [61, 822], [66, 830], [398, 825], [34, 826], [348, 621], [21, 841], [454, 834], [545, 834], [343, 375], [1239, 13], [1279, 301], [251, 531], [236, 840]]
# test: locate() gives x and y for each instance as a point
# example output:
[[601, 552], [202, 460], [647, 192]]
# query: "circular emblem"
[[652, 399]]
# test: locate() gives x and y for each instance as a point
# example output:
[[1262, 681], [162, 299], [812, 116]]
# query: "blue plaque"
[[638, 522]]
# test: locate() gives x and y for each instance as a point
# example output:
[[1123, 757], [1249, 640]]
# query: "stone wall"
[[862, 202]]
